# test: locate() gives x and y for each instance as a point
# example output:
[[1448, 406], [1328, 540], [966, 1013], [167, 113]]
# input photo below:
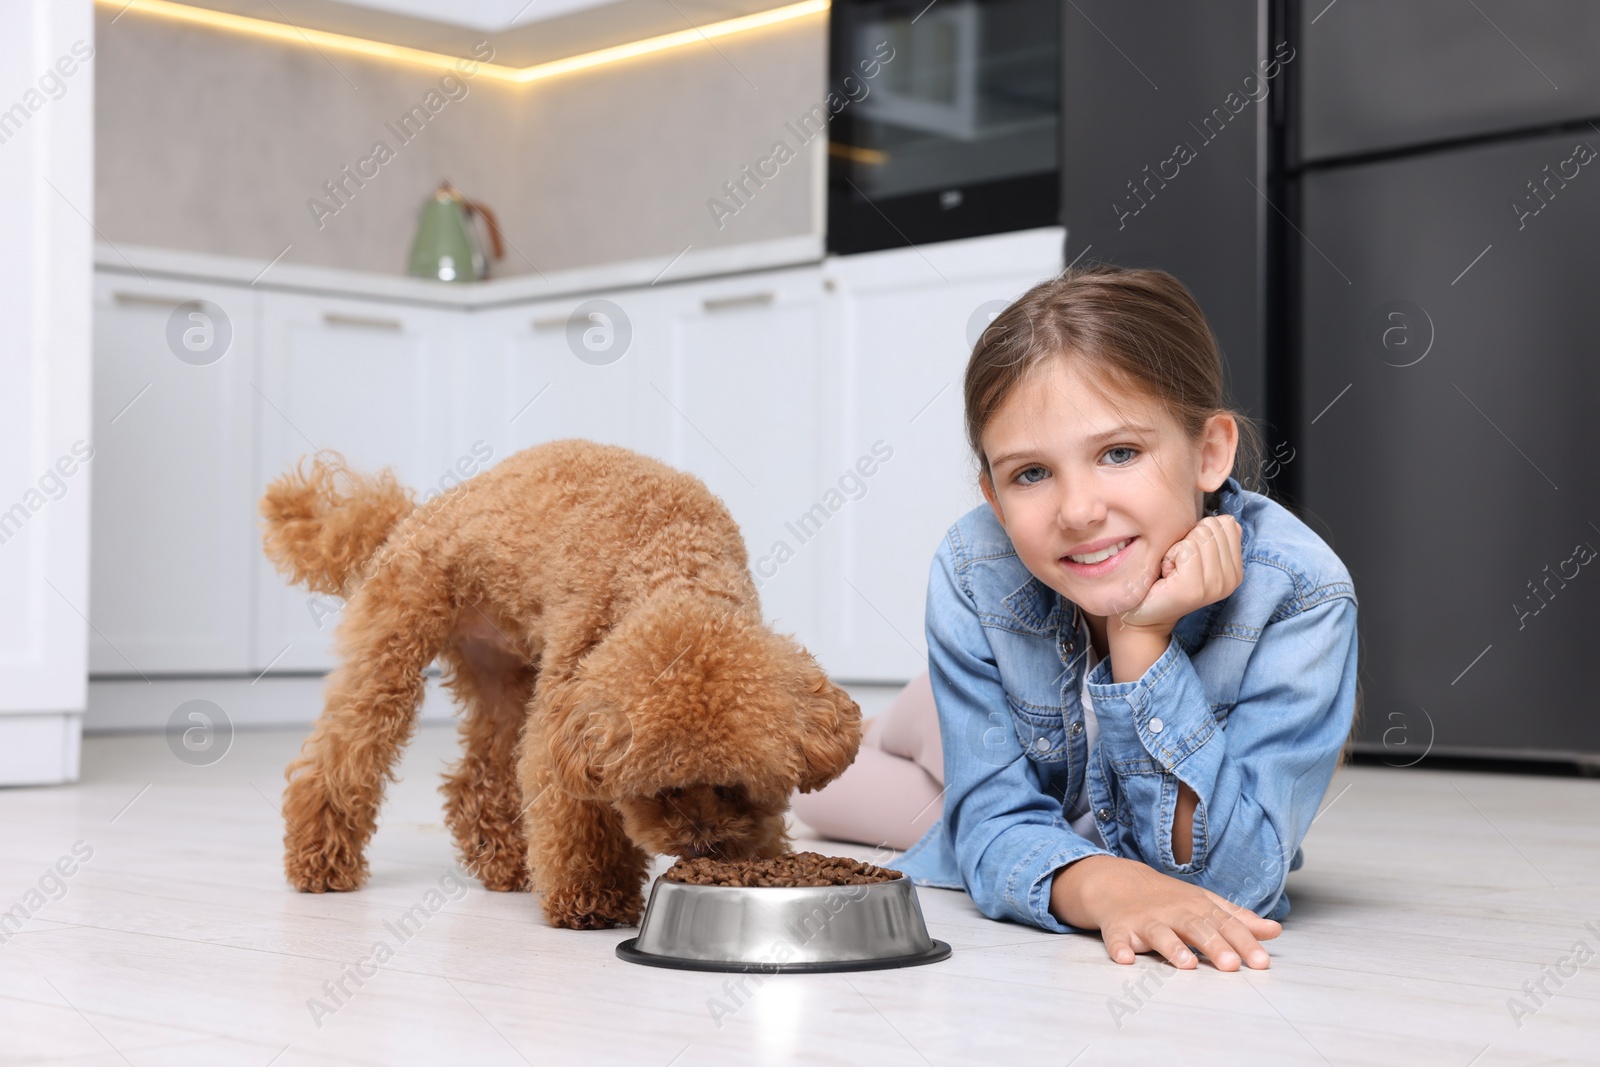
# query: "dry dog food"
[[788, 870]]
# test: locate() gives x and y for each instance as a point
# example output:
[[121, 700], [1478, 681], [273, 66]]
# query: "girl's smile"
[[1100, 567]]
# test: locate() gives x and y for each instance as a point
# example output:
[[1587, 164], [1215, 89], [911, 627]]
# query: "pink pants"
[[893, 791]]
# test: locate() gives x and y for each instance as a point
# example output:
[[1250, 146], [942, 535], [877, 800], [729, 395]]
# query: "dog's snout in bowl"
[[705, 819]]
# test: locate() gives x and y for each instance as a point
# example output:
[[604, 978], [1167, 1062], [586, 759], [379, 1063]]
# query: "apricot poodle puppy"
[[593, 613]]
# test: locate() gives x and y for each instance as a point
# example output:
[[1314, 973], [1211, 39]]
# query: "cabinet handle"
[[553, 322], [720, 302], [149, 299], [333, 318]]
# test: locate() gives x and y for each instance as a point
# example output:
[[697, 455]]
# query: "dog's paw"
[[322, 847], [324, 870], [501, 870], [592, 909]]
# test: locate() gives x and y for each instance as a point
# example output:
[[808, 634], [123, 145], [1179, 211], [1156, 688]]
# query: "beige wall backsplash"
[[213, 142]]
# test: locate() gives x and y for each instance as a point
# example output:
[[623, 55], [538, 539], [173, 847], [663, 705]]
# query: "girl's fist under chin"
[[1204, 566]]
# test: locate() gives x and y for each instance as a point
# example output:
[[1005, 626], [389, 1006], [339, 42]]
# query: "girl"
[[1141, 674]]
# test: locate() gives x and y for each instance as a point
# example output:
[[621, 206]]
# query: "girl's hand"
[[1202, 568], [1138, 909]]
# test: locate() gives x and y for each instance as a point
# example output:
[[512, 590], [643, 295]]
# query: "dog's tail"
[[317, 536]]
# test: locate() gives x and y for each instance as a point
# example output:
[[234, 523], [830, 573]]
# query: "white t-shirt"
[[1083, 824]]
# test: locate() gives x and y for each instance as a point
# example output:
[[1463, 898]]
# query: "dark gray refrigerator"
[[1400, 252]]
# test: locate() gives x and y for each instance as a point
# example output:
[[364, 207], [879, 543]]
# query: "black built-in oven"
[[945, 120]]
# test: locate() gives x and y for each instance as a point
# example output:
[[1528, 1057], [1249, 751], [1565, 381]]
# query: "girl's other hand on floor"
[[1138, 909]]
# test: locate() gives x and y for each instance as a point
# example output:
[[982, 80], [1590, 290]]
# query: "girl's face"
[[1072, 473]]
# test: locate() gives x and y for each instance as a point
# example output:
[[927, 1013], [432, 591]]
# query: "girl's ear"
[[829, 733], [986, 483], [1218, 449]]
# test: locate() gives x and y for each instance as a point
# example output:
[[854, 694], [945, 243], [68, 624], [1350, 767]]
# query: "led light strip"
[[223, 20]]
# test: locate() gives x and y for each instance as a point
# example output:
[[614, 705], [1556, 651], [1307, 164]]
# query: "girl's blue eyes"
[[1017, 478]]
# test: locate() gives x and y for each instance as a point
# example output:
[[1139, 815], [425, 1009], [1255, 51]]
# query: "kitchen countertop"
[[150, 262]]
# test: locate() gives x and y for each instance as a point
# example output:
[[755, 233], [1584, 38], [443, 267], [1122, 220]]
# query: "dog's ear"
[[589, 737], [828, 734]]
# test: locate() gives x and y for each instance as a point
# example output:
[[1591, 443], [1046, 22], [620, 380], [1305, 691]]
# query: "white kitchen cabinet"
[[740, 396], [904, 320], [371, 381], [572, 367], [170, 574]]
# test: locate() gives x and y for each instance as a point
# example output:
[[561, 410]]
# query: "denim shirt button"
[[1103, 814], [1156, 725], [1077, 728], [1042, 744]]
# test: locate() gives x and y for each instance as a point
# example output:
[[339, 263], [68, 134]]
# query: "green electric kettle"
[[445, 248]]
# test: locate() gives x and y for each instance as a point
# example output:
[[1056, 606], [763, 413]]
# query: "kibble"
[[787, 871]]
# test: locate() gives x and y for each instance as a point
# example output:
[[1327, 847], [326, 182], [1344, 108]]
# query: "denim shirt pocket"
[[1043, 734]]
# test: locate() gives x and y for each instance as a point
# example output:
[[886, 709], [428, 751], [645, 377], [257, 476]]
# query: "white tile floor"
[[1427, 901]]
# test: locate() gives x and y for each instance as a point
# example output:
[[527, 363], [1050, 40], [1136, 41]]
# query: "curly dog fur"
[[594, 615]]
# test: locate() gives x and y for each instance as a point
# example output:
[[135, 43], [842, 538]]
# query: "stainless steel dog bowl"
[[778, 930]]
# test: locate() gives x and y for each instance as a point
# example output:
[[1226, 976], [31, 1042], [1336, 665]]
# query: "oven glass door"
[[946, 120]]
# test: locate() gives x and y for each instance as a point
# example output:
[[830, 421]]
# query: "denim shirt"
[[1250, 705]]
